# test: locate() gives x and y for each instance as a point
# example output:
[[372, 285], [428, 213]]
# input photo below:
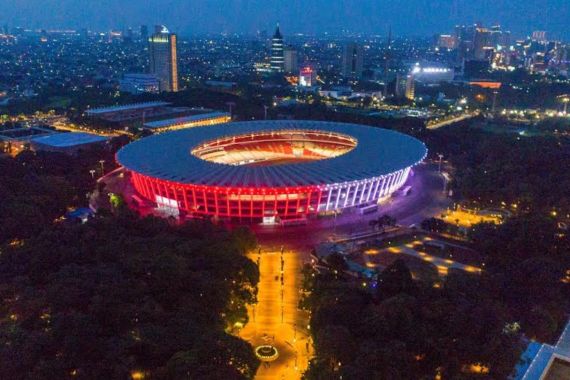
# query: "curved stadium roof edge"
[[168, 156]]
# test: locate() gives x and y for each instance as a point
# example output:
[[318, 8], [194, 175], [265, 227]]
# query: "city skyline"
[[407, 18]]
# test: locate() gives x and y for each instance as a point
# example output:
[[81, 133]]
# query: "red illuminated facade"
[[285, 170]]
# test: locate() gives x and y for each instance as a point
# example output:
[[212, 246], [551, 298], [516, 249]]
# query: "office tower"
[[307, 76], [128, 35], [277, 58], [539, 36], [163, 58], [464, 36], [352, 61], [400, 86], [446, 41], [410, 87], [144, 33], [290, 60], [482, 44], [499, 38]]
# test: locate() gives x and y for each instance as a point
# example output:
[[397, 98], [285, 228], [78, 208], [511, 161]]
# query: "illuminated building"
[[482, 44], [432, 73], [446, 41], [290, 60], [200, 120], [307, 76], [539, 36], [410, 87], [277, 57], [127, 111], [139, 83], [163, 59], [262, 170], [352, 61]]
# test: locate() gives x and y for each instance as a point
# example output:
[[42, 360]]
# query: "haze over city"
[[407, 17]]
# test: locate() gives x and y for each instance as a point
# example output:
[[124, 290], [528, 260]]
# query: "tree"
[[434, 225], [120, 294], [395, 279], [337, 262]]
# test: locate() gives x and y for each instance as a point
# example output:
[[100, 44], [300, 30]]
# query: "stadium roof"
[[168, 156], [68, 139], [183, 120], [125, 107]]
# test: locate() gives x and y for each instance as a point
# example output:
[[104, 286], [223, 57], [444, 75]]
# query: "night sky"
[[407, 17]]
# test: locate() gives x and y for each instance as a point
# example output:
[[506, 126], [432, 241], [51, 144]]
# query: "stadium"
[[270, 170]]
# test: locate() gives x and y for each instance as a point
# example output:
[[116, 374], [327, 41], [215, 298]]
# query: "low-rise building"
[[204, 119]]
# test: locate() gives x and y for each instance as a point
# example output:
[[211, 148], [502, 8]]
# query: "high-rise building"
[[291, 60], [307, 76], [352, 61], [410, 87], [144, 33], [499, 38], [400, 86], [277, 57], [163, 58], [481, 44], [539, 36], [128, 35], [446, 41]]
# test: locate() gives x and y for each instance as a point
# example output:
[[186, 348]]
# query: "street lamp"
[[231, 105], [440, 158], [92, 172]]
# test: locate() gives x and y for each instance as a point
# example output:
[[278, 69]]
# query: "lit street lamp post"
[[439, 165]]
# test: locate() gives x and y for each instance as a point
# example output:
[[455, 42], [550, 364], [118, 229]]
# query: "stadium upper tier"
[[272, 154]]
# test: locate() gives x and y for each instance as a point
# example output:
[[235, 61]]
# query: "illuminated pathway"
[[276, 320]]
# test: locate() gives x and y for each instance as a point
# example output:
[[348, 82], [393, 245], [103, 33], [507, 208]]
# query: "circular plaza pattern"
[[289, 170]]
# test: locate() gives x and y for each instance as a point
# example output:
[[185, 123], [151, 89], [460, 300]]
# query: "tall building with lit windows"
[[291, 60], [410, 87], [163, 58], [352, 61], [277, 56]]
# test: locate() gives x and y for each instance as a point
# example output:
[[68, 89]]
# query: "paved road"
[[427, 199], [276, 319]]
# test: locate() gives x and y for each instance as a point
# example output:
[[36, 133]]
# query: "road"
[[453, 120], [427, 199], [276, 319]]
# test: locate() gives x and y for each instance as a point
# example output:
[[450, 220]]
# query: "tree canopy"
[[121, 294]]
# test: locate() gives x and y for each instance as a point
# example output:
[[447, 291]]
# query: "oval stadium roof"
[[168, 156]]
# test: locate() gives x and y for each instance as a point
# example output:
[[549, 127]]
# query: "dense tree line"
[[470, 326], [407, 330], [530, 172], [121, 294], [38, 187], [118, 295]]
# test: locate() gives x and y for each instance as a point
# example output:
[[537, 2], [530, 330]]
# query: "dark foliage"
[[122, 294]]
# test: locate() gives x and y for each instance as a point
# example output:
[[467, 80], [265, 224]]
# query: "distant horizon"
[[407, 18]]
